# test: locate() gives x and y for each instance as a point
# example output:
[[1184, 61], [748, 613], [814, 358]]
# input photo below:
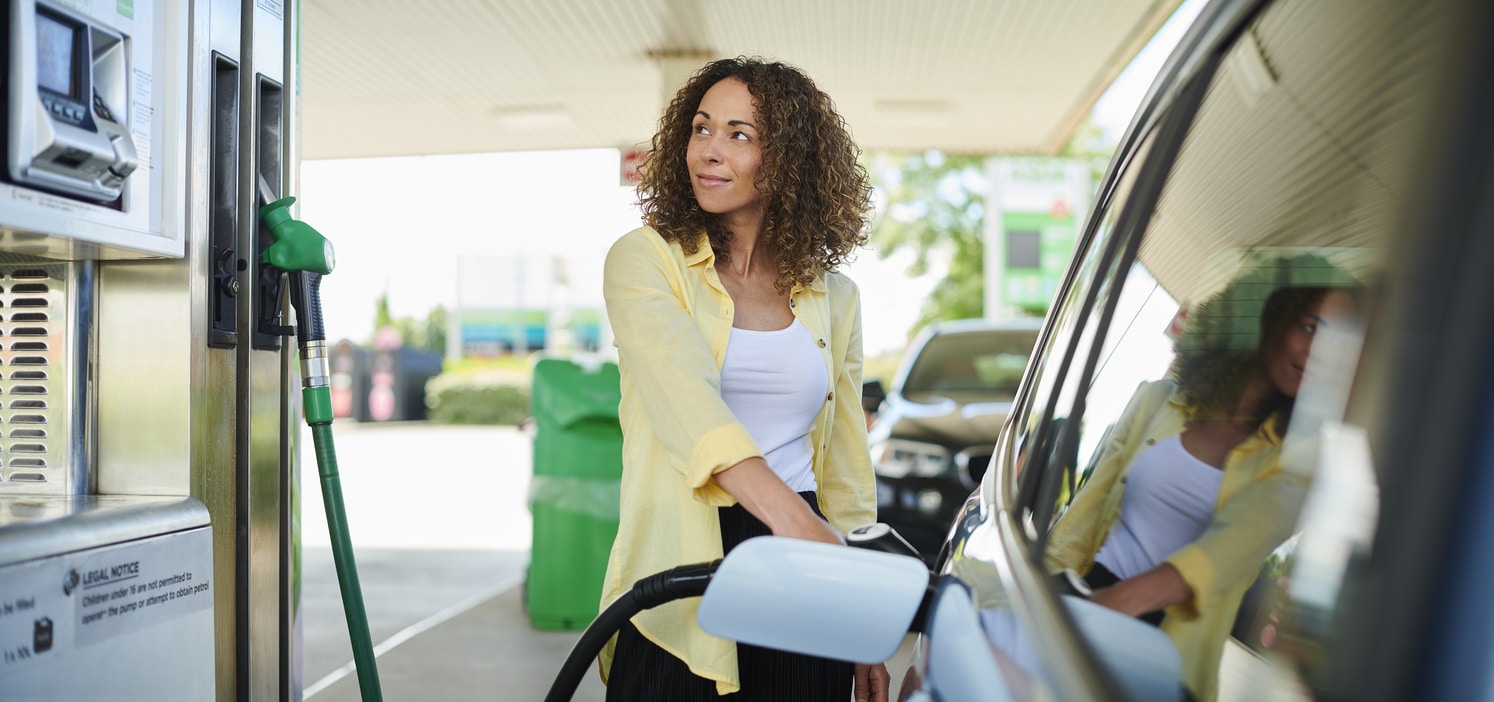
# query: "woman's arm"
[[766, 497], [1158, 588]]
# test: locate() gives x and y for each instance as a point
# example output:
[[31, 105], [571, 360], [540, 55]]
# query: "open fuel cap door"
[[814, 598]]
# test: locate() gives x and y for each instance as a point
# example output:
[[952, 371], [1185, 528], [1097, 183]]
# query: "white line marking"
[[415, 630]]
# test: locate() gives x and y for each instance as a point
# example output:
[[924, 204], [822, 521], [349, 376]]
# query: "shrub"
[[481, 397]]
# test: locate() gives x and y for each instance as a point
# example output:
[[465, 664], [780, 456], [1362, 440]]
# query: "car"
[[932, 438], [1355, 131]]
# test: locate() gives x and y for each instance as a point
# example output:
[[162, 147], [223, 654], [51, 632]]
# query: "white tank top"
[[1169, 501], [775, 383]]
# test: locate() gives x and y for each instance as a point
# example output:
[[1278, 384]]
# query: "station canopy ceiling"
[[395, 77]]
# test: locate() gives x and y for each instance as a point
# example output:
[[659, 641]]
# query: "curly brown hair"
[[1212, 374], [1226, 335], [815, 194]]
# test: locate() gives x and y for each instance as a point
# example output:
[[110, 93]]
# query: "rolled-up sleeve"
[[670, 364]]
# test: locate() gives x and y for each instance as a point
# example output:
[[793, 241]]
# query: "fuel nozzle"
[[297, 246], [305, 256]]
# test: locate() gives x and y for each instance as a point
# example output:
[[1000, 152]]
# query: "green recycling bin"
[[573, 495]]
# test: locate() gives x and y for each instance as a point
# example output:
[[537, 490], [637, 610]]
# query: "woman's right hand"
[[766, 497], [815, 530]]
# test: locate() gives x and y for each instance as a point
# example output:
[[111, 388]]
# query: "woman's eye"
[[740, 136], [700, 129]]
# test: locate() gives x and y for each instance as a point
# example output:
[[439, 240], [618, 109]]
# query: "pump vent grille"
[[33, 377]]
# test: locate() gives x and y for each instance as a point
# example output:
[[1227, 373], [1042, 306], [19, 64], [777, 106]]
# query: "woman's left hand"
[[872, 682]]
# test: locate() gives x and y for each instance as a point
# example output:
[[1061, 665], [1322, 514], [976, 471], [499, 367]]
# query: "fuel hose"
[[305, 256]]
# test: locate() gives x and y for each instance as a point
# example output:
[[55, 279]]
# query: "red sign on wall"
[[631, 158]]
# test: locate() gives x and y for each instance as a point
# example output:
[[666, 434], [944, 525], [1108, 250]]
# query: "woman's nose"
[[711, 150]]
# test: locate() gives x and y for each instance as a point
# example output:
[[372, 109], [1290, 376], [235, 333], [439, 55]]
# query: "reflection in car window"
[[1052, 391], [1031, 415], [1146, 324]]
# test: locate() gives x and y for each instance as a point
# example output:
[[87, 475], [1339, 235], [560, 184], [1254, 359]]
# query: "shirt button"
[[829, 397], [822, 343], [1151, 442], [791, 302]]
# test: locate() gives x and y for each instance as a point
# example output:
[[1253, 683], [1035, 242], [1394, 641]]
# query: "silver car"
[[1358, 131]]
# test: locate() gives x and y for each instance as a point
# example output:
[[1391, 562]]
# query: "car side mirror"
[[814, 598]]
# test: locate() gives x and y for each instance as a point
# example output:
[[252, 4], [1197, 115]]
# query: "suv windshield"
[[983, 366]]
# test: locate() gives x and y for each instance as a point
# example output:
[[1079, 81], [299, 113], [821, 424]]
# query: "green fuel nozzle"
[[297, 246], [305, 255]]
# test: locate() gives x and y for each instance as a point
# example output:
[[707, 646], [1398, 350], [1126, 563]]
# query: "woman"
[[1189, 496], [740, 352]]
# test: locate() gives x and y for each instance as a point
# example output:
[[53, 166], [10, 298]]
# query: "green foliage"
[[478, 396], [428, 334], [1090, 143], [935, 204], [382, 318], [882, 367]]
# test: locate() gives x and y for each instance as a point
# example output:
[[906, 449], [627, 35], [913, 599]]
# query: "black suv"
[[932, 439]]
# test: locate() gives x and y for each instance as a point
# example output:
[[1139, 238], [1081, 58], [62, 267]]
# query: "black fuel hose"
[[652, 591]]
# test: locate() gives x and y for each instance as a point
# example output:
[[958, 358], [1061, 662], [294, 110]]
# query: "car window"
[[1045, 409], [979, 366], [1292, 184]]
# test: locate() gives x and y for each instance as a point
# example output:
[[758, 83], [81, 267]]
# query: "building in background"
[[521, 303]]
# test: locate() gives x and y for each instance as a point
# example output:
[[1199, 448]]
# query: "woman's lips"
[[711, 181]]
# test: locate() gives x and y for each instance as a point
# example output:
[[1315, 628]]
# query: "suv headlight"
[[900, 458]]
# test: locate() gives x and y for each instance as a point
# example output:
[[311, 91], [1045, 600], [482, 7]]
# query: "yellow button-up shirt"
[[671, 320], [1255, 513]]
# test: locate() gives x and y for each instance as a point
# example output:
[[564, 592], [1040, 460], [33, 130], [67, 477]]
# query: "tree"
[[382, 317], [428, 334], [935, 204]]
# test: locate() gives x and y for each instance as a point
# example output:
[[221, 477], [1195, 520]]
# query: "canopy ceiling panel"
[[393, 77]]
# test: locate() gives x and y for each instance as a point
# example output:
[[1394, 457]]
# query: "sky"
[[400, 225]]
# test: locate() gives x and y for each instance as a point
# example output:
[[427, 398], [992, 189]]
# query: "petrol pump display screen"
[[56, 51]]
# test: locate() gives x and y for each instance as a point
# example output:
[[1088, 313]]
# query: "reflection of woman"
[[1188, 496], [740, 352]]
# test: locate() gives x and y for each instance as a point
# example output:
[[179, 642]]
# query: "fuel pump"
[[148, 442], [300, 256]]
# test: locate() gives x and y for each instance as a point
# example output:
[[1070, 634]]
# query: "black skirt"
[[643, 672]]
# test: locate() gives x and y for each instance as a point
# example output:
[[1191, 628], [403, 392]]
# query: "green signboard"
[[1037, 247]]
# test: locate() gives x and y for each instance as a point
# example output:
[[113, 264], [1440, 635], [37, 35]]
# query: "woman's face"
[[724, 152], [1287, 361]]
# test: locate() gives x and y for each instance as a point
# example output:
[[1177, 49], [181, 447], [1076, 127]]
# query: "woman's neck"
[[746, 254], [1255, 399]]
